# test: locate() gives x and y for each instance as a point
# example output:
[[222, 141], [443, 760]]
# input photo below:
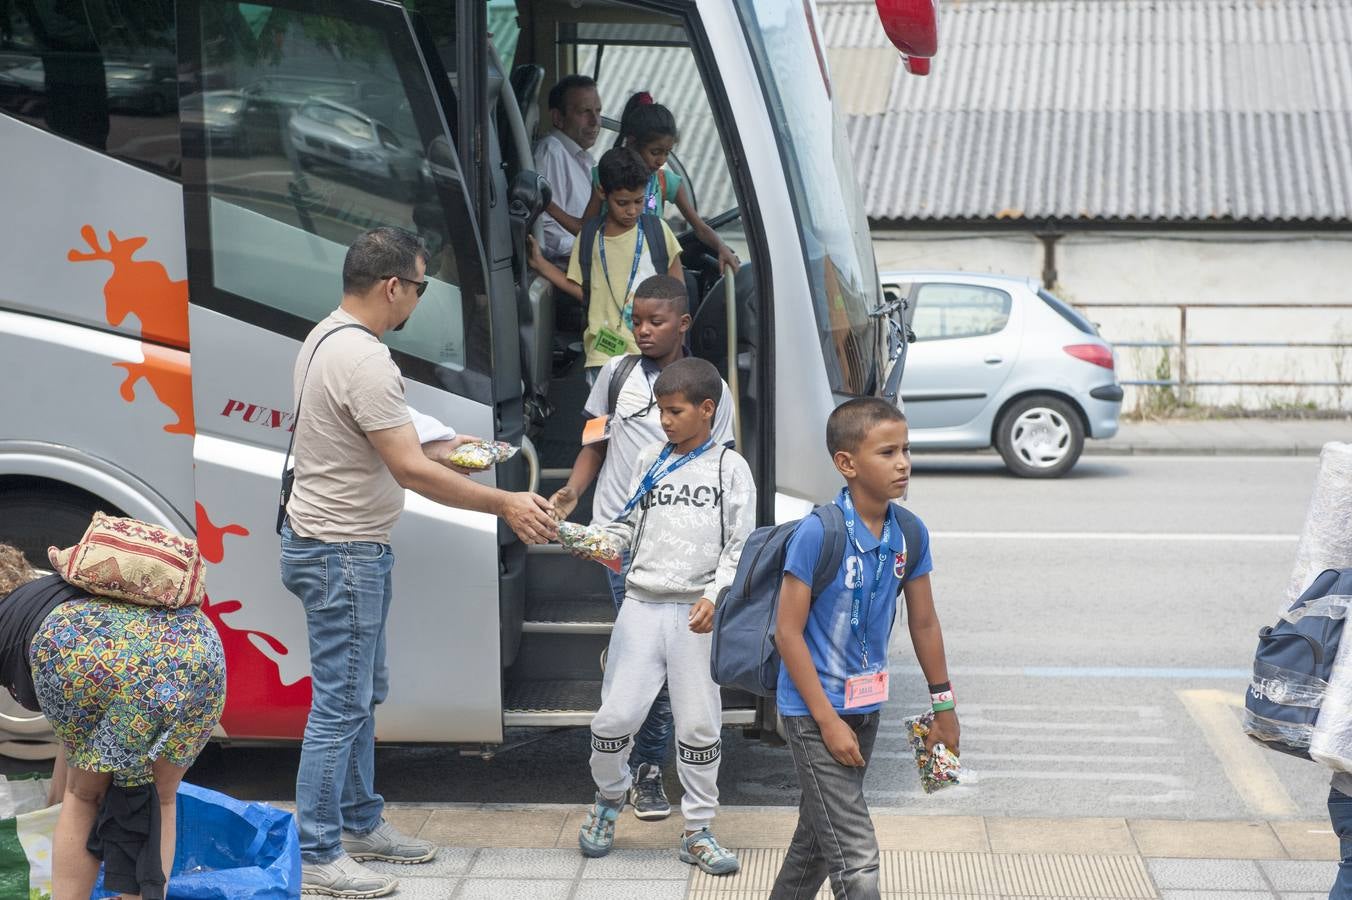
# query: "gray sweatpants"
[[653, 642]]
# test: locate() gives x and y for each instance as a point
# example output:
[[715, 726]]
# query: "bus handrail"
[[730, 309]]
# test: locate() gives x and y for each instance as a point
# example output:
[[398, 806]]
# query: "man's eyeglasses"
[[420, 285]]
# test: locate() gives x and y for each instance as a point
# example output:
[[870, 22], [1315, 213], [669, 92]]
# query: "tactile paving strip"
[[981, 876]]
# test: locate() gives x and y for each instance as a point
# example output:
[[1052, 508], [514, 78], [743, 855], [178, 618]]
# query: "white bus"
[[180, 182]]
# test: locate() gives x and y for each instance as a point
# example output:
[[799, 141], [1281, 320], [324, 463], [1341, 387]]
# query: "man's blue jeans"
[[1340, 814], [652, 740], [345, 589]]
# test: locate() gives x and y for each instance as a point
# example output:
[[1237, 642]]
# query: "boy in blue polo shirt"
[[834, 676]]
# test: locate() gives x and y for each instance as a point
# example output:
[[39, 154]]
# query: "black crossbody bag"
[[288, 470]]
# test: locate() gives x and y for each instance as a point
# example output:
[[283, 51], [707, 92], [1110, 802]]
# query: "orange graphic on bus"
[[169, 373], [143, 288], [140, 287], [211, 537]]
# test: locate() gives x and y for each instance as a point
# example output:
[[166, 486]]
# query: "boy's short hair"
[[667, 289], [621, 169], [558, 94], [851, 422], [696, 379]]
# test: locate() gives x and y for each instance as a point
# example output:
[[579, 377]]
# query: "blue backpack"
[[1292, 666], [744, 656]]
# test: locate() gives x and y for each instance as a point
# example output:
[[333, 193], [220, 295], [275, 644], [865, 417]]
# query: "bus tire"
[[35, 516]]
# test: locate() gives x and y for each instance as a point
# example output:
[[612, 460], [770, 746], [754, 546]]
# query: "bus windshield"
[[816, 155]]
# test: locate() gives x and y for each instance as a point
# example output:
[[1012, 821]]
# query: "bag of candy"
[[480, 455], [939, 769], [592, 542]]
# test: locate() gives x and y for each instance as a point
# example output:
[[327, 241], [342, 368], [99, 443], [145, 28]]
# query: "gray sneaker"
[[344, 877], [387, 844], [648, 797]]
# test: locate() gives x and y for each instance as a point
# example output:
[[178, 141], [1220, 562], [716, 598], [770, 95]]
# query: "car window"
[[946, 311], [1065, 311]]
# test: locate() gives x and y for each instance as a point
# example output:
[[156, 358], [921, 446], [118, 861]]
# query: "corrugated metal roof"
[[1106, 110]]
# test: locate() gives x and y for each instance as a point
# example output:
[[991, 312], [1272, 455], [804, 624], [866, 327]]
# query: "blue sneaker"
[[598, 831], [702, 849]]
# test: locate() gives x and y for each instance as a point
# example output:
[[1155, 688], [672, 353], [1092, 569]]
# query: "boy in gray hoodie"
[[691, 506]]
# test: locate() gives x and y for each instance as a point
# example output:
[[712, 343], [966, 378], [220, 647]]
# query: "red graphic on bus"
[[211, 537], [257, 703], [144, 288]]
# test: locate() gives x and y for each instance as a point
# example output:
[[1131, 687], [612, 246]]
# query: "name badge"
[[609, 343], [596, 430], [865, 690]]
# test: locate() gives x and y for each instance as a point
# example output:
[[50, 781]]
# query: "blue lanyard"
[[626, 308], [656, 473], [858, 623]]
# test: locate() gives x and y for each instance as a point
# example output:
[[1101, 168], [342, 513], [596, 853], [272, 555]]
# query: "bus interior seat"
[[526, 82]]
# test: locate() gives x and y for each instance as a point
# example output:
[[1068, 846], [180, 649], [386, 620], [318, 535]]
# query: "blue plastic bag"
[[231, 850]]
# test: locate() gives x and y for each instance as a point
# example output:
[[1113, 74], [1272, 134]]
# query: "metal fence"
[[1181, 346]]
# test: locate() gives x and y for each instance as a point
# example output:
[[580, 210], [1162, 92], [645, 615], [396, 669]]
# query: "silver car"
[[999, 361]]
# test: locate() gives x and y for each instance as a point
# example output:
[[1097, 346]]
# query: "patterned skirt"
[[125, 685]]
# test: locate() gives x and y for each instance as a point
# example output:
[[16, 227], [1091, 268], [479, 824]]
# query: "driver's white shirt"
[[568, 169]]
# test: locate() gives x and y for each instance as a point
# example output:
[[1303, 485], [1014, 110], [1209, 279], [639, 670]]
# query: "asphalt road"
[[1098, 629]]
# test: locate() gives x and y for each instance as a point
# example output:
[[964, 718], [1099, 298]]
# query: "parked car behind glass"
[[998, 361]]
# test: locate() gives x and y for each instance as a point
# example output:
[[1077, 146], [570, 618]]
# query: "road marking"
[[980, 758], [1243, 761], [992, 737], [1116, 536], [1088, 672]]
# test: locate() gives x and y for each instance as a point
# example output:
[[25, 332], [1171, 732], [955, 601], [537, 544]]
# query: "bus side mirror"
[[911, 25]]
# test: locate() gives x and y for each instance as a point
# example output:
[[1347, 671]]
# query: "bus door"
[[309, 123]]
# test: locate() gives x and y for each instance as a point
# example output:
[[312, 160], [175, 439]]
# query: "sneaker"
[[344, 877], [598, 831], [387, 844], [647, 796], [702, 849]]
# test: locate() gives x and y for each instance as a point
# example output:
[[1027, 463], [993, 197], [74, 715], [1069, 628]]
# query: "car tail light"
[[1097, 354]]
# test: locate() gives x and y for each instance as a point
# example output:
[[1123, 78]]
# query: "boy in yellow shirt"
[[612, 256]]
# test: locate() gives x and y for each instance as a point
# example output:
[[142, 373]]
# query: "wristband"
[[940, 688], [944, 707], [942, 700]]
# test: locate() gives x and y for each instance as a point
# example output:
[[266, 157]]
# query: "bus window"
[[102, 74], [313, 128]]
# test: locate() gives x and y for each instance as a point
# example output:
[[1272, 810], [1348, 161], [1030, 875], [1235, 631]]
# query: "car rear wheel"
[[1040, 437]]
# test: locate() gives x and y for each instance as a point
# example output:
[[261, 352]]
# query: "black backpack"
[[744, 655], [652, 236]]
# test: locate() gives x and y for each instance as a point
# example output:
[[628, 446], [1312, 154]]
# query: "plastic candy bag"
[[592, 542], [480, 455], [939, 769]]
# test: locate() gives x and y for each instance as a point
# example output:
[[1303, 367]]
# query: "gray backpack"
[[1292, 665]]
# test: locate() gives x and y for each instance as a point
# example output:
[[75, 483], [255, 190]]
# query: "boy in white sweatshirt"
[[691, 506]]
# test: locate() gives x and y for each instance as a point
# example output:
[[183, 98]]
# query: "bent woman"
[[133, 693]]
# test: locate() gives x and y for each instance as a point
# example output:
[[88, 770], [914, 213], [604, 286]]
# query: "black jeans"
[[1340, 814], [834, 838]]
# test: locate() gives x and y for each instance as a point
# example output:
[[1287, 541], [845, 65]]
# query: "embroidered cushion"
[[130, 560]]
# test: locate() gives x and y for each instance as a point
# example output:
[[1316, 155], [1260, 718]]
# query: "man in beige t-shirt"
[[356, 452]]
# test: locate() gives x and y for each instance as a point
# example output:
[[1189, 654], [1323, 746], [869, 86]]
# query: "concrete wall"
[[1169, 268]]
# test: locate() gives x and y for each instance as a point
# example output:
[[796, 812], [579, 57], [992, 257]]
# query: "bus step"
[[555, 614], [550, 703], [561, 703]]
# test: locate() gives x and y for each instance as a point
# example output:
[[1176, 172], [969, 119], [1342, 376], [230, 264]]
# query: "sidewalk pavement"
[[517, 852], [1224, 437]]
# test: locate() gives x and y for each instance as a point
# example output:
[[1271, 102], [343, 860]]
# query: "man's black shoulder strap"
[[657, 243], [590, 229], [295, 420], [618, 377]]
